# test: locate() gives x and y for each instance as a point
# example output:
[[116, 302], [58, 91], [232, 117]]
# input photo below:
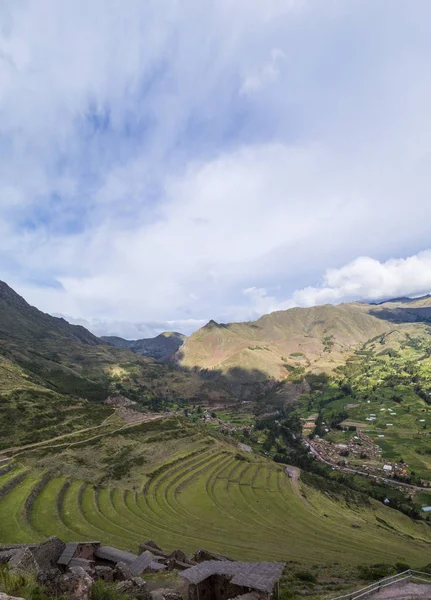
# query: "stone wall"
[[29, 501], [47, 553], [216, 587], [5, 469], [11, 484]]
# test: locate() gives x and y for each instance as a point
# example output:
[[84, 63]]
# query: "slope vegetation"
[[55, 376], [201, 492]]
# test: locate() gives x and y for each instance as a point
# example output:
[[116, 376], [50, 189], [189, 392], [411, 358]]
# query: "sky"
[[167, 162]]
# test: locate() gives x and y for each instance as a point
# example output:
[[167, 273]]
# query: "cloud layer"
[[160, 158], [364, 279]]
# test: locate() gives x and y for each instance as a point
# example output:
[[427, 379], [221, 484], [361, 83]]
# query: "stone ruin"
[[70, 569]]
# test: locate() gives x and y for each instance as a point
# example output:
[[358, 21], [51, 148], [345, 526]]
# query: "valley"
[[168, 480], [98, 441]]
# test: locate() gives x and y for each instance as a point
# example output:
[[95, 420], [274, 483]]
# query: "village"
[[357, 452]]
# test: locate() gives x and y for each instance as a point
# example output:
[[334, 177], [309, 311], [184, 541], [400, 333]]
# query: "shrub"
[[286, 595], [306, 576], [375, 572], [426, 569], [102, 590], [18, 584], [401, 567]]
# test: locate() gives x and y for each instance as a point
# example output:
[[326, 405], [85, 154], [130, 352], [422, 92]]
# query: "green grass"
[[246, 510]]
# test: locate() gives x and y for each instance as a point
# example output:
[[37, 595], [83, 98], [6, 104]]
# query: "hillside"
[[55, 376], [160, 347], [315, 339], [175, 483]]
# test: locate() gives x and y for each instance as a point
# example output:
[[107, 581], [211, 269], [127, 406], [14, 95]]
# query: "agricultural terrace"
[[211, 496]]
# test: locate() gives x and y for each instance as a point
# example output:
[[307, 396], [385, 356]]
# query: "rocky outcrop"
[[47, 553], [165, 594], [23, 560], [135, 587], [6, 597], [76, 584], [103, 572], [122, 572]]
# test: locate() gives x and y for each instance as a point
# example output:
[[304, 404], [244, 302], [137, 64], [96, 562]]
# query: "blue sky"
[[164, 163]]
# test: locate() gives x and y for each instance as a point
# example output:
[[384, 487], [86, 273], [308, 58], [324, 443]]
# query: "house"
[[75, 551], [110, 556], [146, 563], [222, 580]]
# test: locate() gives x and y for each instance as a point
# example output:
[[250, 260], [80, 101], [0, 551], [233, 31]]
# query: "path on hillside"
[[406, 591], [20, 449], [295, 474]]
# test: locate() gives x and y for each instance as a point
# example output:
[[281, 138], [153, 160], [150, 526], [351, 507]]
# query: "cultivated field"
[[244, 507]]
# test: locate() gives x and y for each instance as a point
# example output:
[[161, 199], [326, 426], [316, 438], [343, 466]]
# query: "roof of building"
[[141, 562], [114, 555], [260, 576], [67, 553]]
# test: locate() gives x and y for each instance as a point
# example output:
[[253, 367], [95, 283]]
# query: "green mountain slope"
[[55, 376], [317, 338], [175, 483]]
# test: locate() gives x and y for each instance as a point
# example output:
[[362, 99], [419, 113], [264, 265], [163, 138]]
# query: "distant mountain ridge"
[[160, 347], [54, 376], [317, 338]]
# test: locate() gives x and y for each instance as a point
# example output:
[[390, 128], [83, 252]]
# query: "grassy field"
[[201, 494]]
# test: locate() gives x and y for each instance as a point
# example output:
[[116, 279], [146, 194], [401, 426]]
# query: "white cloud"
[[133, 331], [265, 74], [368, 279], [363, 279], [198, 190]]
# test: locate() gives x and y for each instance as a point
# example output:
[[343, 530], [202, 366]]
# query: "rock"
[[49, 580], [203, 555], [178, 555], [23, 560], [152, 544], [135, 587], [356, 525], [87, 565], [6, 597], [76, 584], [122, 572], [165, 594], [6, 555], [105, 573], [47, 553]]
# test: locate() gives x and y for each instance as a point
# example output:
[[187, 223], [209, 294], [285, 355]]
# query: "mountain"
[[54, 376], [160, 347], [316, 339]]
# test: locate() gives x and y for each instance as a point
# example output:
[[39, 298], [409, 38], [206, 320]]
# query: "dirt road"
[[20, 449]]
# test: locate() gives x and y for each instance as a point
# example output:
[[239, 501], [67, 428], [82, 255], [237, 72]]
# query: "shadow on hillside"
[[403, 315], [238, 382]]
